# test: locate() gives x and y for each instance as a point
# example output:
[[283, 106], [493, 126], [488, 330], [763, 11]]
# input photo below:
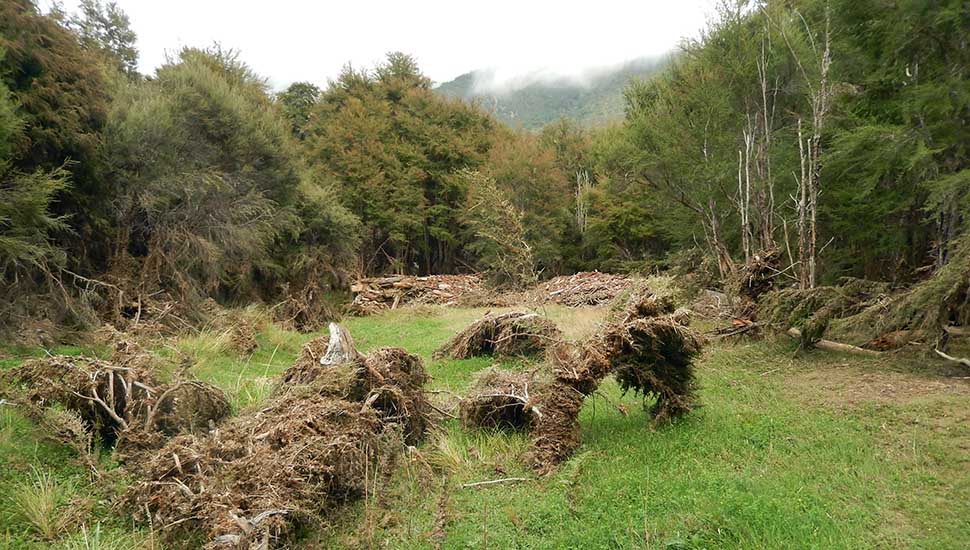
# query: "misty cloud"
[[499, 81]]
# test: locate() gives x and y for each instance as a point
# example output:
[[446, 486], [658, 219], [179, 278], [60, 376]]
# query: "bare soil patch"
[[850, 387]]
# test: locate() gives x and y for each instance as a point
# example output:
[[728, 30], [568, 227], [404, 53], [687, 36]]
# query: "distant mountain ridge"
[[536, 101]]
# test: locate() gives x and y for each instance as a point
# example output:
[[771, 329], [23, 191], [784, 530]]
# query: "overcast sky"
[[290, 40]]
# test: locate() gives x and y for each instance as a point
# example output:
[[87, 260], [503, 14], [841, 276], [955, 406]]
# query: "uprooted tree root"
[[391, 379], [504, 334], [654, 357], [651, 351], [646, 345], [555, 431], [336, 418]]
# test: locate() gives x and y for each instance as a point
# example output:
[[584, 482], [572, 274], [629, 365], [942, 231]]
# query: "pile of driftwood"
[[382, 293], [586, 288]]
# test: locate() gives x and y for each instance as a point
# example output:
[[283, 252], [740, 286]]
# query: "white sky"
[[290, 40]]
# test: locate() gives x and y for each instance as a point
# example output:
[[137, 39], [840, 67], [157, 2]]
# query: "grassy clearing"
[[812, 450], [759, 466]]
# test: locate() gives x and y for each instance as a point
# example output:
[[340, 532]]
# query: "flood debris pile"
[[322, 436], [238, 327], [545, 403], [336, 419], [654, 357], [577, 370], [934, 311], [323, 360], [646, 345], [250, 483], [813, 310], [121, 397], [586, 288], [874, 316], [145, 315], [757, 277], [508, 334], [712, 304], [498, 398], [382, 293]]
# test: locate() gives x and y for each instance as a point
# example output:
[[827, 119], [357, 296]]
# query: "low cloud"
[[499, 81]]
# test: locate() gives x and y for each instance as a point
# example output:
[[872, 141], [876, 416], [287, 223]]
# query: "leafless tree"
[[819, 91]]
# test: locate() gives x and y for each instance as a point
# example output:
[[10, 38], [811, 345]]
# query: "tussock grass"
[[207, 346], [251, 391], [463, 454], [99, 537], [41, 499]]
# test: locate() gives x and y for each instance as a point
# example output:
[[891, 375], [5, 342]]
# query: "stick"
[[494, 482], [733, 331], [111, 412], [442, 411], [618, 406], [958, 360]]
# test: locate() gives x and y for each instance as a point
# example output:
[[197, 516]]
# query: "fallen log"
[[836, 346]]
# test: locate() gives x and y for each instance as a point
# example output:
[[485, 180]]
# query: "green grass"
[[773, 458]]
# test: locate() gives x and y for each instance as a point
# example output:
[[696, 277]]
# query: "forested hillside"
[[532, 101]]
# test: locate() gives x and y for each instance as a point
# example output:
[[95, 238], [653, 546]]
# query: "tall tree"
[[392, 146], [210, 180], [62, 100], [105, 28], [297, 101]]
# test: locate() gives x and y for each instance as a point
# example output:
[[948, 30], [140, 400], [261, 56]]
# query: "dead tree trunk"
[[744, 191], [766, 196], [801, 206], [725, 265], [582, 186], [756, 193], [810, 149]]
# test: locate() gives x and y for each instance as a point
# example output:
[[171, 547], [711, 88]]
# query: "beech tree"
[[392, 147]]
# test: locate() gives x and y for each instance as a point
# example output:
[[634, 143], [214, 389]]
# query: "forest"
[[802, 168], [816, 130]]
